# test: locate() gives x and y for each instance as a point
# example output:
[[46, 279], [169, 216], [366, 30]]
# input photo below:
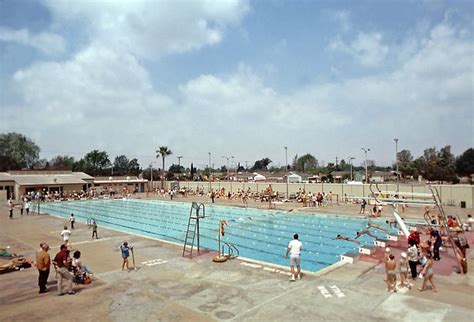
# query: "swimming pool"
[[258, 234]]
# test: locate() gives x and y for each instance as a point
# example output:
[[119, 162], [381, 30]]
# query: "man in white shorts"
[[66, 233], [294, 249]]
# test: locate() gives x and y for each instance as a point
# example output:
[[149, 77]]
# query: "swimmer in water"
[[364, 231], [342, 237]]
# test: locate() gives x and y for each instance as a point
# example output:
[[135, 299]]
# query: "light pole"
[[209, 171], [396, 160], [179, 166], [366, 171], [286, 168], [151, 174], [350, 162], [228, 173]]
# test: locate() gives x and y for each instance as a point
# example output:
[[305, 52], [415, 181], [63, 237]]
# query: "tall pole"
[[286, 168], [366, 170], [228, 173], [209, 171], [350, 162], [396, 161], [179, 167], [151, 174]]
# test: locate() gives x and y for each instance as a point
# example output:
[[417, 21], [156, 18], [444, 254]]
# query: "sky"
[[238, 78]]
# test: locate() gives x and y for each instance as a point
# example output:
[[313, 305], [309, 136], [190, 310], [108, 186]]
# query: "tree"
[[174, 168], [96, 161], [79, 166], [447, 165], [465, 163], [406, 165], [306, 163], [17, 152], [261, 164], [121, 165], [163, 151], [134, 167], [437, 166], [61, 162]]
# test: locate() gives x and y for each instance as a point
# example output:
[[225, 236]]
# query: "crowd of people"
[[69, 269]]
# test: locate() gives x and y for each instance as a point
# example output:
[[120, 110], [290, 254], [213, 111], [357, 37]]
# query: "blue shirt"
[[125, 250]]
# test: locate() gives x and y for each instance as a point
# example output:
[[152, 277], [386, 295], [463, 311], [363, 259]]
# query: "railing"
[[232, 250]]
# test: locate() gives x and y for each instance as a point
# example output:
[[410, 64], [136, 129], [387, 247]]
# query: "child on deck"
[[403, 265]]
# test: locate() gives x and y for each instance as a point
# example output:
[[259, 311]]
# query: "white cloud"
[[103, 98], [48, 43], [367, 48], [343, 18], [152, 28]]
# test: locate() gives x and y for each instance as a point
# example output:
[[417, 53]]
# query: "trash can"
[[463, 204]]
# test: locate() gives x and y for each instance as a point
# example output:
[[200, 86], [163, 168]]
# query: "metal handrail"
[[444, 225], [231, 248]]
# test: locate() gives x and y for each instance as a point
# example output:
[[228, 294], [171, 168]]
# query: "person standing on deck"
[[10, 206], [294, 249], [94, 229], [72, 220], [43, 263], [437, 241]]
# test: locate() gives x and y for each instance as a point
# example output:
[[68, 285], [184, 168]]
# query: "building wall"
[[21, 190], [449, 194], [6, 190]]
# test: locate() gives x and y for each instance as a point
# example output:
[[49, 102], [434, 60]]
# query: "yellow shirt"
[[43, 260]]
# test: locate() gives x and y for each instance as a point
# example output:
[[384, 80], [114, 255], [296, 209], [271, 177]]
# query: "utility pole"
[[350, 162], [396, 161], [366, 171], [151, 174], [179, 167], [209, 171], [286, 166]]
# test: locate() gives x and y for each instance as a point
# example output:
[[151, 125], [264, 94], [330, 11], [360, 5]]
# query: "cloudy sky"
[[238, 78]]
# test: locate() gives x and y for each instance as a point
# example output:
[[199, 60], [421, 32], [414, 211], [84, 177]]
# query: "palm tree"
[[163, 151]]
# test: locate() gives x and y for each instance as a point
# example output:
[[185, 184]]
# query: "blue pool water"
[[258, 234]]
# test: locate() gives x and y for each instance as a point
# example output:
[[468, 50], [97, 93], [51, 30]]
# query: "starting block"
[[350, 258], [392, 237], [367, 250], [381, 242]]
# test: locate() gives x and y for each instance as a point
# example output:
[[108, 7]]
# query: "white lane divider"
[[154, 262]]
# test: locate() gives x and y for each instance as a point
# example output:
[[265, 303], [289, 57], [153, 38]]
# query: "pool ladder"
[[192, 232], [232, 251]]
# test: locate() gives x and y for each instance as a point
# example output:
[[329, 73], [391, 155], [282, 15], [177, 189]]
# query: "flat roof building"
[[14, 184]]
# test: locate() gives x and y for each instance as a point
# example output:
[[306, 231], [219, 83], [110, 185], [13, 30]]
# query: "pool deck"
[[168, 287]]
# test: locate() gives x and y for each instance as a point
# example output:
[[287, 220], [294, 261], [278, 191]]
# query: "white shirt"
[[412, 253], [66, 233], [295, 247]]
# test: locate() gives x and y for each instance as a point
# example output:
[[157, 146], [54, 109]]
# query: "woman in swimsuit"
[[428, 273]]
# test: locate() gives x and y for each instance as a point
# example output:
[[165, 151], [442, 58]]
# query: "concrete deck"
[[168, 287]]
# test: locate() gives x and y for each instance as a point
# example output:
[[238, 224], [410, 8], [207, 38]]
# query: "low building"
[[120, 184], [294, 178], [14, 184], [382, 176]]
